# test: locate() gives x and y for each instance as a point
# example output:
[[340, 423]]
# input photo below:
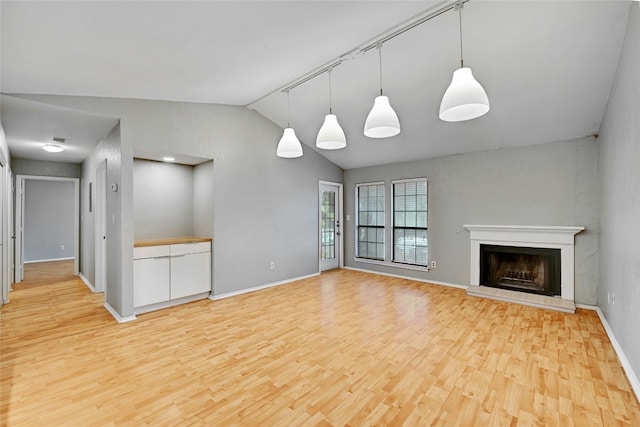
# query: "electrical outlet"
[[272, 265], [613, 298], [433, 264], [62, 247]]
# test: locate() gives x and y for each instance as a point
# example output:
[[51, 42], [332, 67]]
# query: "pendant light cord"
[[459, 7], [330, 101], [380, 58], [288, 109]]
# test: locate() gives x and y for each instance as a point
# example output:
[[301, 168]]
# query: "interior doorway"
[[41, 241], [330, 221]]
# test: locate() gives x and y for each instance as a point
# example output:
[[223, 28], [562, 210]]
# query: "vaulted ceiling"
[[547, 66]]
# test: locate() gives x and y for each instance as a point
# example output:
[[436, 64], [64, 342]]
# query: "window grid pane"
[[328, 220], [410, 243], [371, 218]]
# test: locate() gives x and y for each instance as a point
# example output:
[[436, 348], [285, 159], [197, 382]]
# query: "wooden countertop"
[[169, 241]]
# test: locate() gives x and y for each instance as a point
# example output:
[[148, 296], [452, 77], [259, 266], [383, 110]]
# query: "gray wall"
[[547, 184], [203, 214], [619, 156], [49, 220], [46, 168], [265, 208], [119, 243], [163, 201]]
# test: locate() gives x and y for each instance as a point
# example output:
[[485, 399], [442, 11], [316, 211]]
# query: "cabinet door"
[[190, 274], [151, 281]]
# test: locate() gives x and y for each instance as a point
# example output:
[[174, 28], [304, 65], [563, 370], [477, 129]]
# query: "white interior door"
[[101, 228], [12, 230], [330, 217]]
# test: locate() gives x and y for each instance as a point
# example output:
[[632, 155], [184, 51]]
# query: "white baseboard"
[[171, 303], [49, 260], [257, 288], [117, 316], [633, 378], [435, 282], [87, 282]]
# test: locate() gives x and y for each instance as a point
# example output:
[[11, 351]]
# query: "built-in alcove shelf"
[[530, 236]]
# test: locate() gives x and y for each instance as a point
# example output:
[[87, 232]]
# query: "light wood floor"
[[344, 348]]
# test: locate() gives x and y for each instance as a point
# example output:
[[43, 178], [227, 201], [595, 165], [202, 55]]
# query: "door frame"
[[19, 217], [100, 228], [339, 216]]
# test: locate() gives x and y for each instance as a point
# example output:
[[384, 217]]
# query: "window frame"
[[393, 226], [358, 256]]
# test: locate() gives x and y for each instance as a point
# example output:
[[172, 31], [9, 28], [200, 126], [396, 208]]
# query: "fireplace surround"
[[560, 238]]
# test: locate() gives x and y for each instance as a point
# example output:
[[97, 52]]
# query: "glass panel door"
[[329, 227]]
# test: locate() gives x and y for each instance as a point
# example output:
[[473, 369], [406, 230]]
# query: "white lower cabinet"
[[190, 274], [169, 274], [151, 281]]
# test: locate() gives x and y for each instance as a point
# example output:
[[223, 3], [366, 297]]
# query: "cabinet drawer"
[[190, 248], [151, 251]]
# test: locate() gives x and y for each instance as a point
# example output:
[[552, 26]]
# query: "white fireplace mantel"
[[532, 236]]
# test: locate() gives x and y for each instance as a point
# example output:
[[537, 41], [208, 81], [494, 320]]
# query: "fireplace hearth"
[[524, 269]]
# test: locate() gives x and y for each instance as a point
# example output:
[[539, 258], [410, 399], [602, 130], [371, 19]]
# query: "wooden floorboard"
[[342, 348]]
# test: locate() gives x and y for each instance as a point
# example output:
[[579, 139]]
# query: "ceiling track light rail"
[[464, 99], [366, 46]]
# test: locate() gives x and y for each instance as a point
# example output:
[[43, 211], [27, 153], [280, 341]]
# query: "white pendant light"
[[331, 136], [289, 146], [382, 121], [465, 98]]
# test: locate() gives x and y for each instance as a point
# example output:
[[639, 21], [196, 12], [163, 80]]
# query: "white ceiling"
[[547, 66], [30, 125]]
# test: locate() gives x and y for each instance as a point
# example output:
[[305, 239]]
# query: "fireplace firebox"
[[524, 269]]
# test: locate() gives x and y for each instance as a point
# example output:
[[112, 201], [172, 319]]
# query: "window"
[[410, 245], [370, 217]]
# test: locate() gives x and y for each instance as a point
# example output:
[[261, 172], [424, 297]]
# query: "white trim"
[[418, 179], [364, 184], [117, 316], [417, 279], [339, 216], [76, 208], [392, 216], [631, 376], [87, 282], [392, 264], [258, 288], [356, 198], [49, 260]]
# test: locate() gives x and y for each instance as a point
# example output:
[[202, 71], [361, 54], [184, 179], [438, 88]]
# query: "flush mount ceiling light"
[[382, 121], [465, 98], [289, 146], [52, 148], [168, 159], [331, 136]]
